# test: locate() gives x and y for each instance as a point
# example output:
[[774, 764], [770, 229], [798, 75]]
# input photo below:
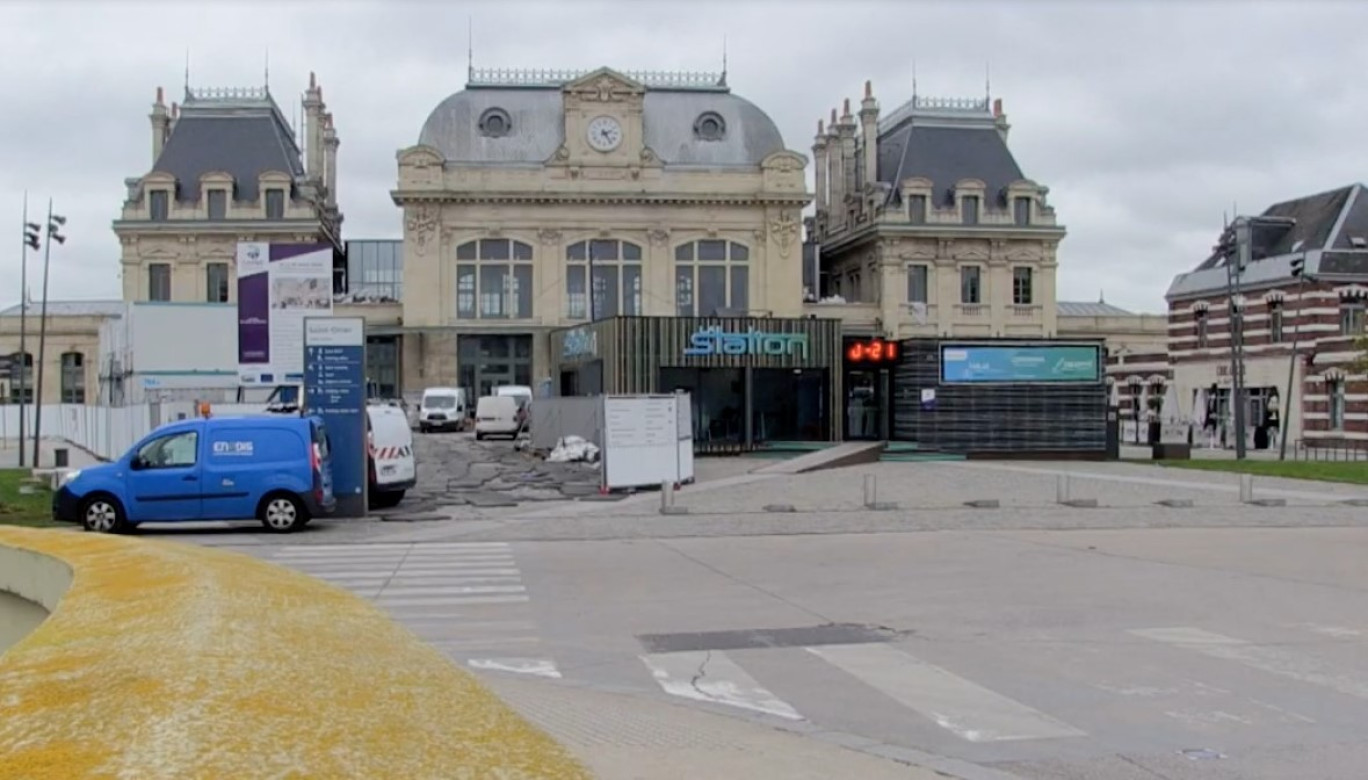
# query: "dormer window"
[[275, 204], [158, 203], [1021, 211], [218, 204], [495, 123], [969, 209], [710, 126], [916, 209]]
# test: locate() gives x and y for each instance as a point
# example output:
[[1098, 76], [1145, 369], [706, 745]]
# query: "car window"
[[175, 451], [440, 402]]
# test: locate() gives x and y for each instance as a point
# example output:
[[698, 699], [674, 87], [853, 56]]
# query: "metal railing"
[[1344, 450]]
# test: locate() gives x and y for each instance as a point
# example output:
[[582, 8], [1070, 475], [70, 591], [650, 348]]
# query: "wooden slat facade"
[[635, 349]]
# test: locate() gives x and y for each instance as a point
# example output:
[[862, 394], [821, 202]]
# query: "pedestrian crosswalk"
[[1116, 685], [467, 599]]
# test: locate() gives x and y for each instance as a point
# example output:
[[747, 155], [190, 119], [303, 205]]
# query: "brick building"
[[1329, 398]]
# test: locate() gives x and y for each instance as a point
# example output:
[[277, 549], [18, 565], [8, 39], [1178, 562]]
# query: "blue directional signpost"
[[335, 390]]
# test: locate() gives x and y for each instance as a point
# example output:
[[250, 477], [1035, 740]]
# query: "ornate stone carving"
[[786, 165], [421, 226], [785, 229], [658, 236], [549, 236], [563, 153], [604, 89], [494, 231], [712, 232], [647, 155], [759, 235]]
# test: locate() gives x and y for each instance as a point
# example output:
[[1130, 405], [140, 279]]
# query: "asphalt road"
[[1127, 642]]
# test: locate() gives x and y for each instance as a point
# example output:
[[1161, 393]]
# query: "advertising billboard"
[[1022, 363], [278, 286]]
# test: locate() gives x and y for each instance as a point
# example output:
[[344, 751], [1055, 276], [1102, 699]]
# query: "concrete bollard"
[[667, 500], [871, 490], [1246, 488]]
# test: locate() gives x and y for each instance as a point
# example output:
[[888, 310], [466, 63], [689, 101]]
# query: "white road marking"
[[447, 601], [454, 590], [713, 677], [1339, 632], [1295, 666], [969, 710], [534, 666]]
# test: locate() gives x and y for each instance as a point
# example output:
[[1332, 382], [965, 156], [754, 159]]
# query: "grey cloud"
[[1146, 119]]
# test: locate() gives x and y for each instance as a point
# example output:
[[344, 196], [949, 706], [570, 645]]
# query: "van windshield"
[[440, 402], [320, 438]]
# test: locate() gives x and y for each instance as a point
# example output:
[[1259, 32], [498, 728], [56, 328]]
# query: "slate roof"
[[1090, 309], [536, 115], [99, 308], [239, 132], [1327, 225], [946, 145]]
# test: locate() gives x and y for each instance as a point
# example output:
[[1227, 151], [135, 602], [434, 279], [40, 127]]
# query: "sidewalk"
[[631, 737]]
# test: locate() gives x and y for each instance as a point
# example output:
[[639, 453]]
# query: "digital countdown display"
[[871, 351]]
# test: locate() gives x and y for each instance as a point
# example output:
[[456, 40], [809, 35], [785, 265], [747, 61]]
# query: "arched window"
[[73, 378], [711, 277], [493, 280], [21, 375], [616, 273]]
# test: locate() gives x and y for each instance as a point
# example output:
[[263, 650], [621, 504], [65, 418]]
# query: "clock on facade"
[[604, 133]]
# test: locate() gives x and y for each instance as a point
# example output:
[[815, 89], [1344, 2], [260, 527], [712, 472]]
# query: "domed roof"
[[525, 125]]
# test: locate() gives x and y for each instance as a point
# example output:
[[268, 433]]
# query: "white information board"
[[684, 417], [642, 440]]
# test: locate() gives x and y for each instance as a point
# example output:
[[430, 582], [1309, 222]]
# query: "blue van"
[[274, 468]]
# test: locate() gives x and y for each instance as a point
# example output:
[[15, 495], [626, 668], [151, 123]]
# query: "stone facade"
[[516, 178], [226, 167], [927, 226], [72, 356]]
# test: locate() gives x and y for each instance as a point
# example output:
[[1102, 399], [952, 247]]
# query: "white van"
[[442, 408], [498, 415], [391, 466], [523, 394]]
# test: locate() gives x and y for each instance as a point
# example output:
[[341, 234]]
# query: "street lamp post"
[[1299, 271], [54, 222], [31, 236]]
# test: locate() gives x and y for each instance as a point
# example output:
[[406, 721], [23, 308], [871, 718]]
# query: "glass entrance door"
[[490, 360], [864, 405]]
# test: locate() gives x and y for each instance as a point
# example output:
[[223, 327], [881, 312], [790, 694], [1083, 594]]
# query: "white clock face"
[[604, 133]]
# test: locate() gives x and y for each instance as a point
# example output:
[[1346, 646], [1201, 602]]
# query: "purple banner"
[[286, 251], [254, 319]]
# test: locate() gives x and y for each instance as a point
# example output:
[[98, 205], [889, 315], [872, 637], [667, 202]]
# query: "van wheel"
[[281, 513], [479, 436], [104, 514]]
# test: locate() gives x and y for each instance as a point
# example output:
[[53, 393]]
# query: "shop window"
[[1202, 336], [73, 378], [711, 277], [916, 209], [275, 204], [216, 282], [21, 379], [494, 279], [1334, 390], [969, 209], [971, 284], [218, 204], [1022, 294], [158, 204], [159, 281], [1021, 211], [613, 269], [1275, 322], [1351, 317], [918, 284]]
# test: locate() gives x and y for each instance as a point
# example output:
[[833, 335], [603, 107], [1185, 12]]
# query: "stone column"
[[869, 123], [819, 157]]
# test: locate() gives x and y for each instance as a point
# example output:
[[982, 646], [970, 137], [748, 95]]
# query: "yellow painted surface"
[[167, 660]]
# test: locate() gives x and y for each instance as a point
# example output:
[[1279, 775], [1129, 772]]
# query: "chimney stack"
[[869, 123], [330, 144], [313, 130], [161, 126], [819, 157]]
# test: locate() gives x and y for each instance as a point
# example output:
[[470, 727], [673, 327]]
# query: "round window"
[[710, 127], [494, 123]]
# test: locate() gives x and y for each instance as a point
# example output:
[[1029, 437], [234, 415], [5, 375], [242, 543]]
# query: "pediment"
[[1024, 253], [421, 156], [605, 85]]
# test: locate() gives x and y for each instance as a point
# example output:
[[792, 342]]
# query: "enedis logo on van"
[[233, 448]]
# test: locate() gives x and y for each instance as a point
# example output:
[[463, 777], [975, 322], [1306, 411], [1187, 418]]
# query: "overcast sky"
[[1147, 120]]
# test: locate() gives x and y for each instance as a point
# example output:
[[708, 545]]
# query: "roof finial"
[[722, 82], [470, 48], [1101, 296], [267, 83], [914, 82], [988, 82], [187, 72]]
